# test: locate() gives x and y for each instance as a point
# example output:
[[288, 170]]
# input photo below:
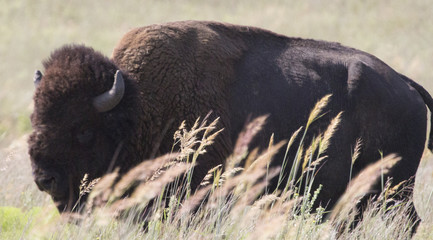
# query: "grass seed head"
[[318, 108], [326, 139], [357, 150], [360, 186], [245, 137]]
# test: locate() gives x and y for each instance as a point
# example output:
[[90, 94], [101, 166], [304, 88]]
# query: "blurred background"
[[397, 31]]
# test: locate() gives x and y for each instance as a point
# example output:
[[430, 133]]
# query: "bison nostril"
[[46, 183]]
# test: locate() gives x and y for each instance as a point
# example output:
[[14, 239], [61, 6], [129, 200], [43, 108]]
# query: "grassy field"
[[226, 207], [398, 32]]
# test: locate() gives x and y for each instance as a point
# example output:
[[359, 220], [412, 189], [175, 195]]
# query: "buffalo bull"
[[93, 113]]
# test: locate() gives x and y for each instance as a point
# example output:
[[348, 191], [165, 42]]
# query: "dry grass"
[[153, 200], [358, 188], [423, 198], [399, 33]]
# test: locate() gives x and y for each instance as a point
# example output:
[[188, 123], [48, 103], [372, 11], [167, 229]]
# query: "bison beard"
[[93, 113]]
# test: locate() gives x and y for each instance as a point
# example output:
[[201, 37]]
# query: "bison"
[[93, 113]]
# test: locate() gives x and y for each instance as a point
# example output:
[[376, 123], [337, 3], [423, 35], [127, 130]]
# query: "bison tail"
[[428, 101]]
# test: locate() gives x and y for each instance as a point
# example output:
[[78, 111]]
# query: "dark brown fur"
[[180, 71]]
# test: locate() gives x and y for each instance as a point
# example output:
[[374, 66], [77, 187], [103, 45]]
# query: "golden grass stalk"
[[209, 128], [83, 182], [293, 171], [262, 161], [148, 190], [102, 191], [360, 186], [289, 144], [251, 157], [312, 166], [357, 150], [394, 190], [355, 156], [210, 174], [205, 141], [315, 114], [227, 174], [194, 201], [85, 186], [317, 110], [326, 139], [141, 173], [187, 139], [250, 182], [245, 196], [309, 154], [245, 137], [267, 227], [272, 214], [293, 137], [265, 201]]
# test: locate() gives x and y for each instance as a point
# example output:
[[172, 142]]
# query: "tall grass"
[[154, 201], [398, 32]]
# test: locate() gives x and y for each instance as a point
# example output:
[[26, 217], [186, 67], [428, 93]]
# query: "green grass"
[[13, 221], [16, 223]]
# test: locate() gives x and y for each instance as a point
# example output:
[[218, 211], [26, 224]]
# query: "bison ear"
[[108, 100], [37, 78]]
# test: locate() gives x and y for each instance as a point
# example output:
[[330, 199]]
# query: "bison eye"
[[85, 136]]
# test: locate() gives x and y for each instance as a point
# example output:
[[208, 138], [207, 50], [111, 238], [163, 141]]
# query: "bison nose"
[[46, 183]]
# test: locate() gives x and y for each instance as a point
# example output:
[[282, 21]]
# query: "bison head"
[[82, 116]]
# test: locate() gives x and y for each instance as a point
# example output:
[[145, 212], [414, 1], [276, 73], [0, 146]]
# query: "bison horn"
[[37, 78], [108, 100]]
